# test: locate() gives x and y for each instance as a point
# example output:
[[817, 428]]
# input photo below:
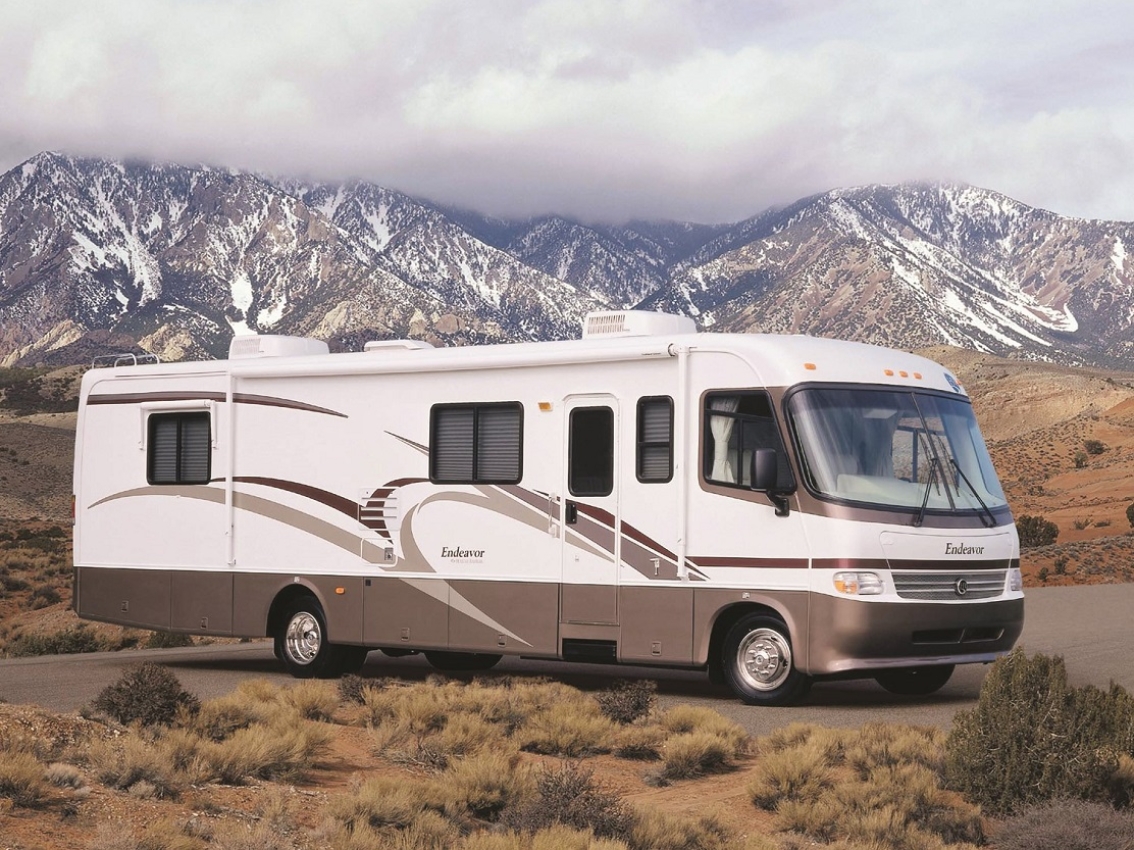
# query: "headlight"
[[1015, 580], [858, 584]]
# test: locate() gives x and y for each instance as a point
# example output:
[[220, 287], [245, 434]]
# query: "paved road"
[[1091, 627]]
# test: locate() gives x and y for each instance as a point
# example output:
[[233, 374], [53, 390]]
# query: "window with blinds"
[[179, 450], [476, 443], [655, 439]]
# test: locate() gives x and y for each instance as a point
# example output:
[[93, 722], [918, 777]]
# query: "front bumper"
[[849, 637]]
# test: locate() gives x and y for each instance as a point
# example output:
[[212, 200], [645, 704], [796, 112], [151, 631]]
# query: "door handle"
[[571, 513]]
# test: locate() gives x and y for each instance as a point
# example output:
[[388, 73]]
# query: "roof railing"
[[113, 361]]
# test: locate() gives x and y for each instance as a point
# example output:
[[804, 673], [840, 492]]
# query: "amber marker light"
[[340, 590], [889, 373], [545, 406], [810, 367], [904, 373]]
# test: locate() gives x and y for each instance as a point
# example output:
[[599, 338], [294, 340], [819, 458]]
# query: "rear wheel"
[[455, 662], [915, 681], [758, 663]]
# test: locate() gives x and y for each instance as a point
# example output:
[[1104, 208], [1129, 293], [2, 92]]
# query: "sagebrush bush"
[[570, 729], [148, 694], [690, 754], [65, 642], [570, 796], [1032, 737], [628, 700], [128, 760], [802, 773], [1067, 825]]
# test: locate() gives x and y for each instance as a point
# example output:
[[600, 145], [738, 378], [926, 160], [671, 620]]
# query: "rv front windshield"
[[894, 448]]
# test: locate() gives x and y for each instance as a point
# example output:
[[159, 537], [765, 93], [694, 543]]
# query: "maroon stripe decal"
[[638, 537], [759, 563], [248, 398], [331, 500], [597, 514]]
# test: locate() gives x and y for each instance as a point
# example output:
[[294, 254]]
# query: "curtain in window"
[[721, 427]]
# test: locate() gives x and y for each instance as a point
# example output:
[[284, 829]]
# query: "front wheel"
[[455, 662], [758, 663], [915, 681]]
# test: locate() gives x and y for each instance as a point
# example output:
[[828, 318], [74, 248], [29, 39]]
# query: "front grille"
[[940, 587]]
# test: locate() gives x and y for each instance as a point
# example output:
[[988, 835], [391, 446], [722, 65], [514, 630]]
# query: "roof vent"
[[618, 323], [396, 345], [270, 345]]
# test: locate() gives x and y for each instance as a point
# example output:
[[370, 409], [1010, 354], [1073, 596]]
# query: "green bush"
[[149, 694], [68, 641], [1032, 737], [167, 640], [1036, 531]]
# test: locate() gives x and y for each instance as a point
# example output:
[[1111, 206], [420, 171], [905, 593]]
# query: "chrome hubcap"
[[763, 659], [303, 638]]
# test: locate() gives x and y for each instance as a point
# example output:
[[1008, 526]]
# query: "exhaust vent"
[[270, 345], [619, 323]]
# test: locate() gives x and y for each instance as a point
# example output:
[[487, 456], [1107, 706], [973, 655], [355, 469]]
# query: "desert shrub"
[[1080, 524], [659, 830], [569, 729], [690, 754], [801, 772], [1036, 531], [1032, 737], [570, 796], [66, 642], [1042, 574], [351, 687], [43, 596], [889, 745], [286, 749], [483, 786], [1060, 565], [628, 700], [1130, 514], [639, 741], [1094, 447], [384, 802], [149, 694], [167, 640], [22, 779], [312, 699], [1067, 825], [63, 775], [683, 719], [130, 760]]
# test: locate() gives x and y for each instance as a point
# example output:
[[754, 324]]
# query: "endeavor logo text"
[[962, 549]]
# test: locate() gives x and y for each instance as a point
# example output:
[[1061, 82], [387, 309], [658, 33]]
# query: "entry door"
[[589, 515]]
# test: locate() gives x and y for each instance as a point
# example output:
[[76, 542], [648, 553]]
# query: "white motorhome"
[[774, 509]]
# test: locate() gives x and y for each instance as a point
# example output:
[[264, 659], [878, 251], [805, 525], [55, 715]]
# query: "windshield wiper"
[[987, 511], [934, 471]]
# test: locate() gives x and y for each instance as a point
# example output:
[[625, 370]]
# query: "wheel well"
[[281, 603], [726, 620]]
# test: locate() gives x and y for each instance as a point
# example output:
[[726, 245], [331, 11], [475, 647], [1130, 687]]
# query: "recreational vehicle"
[[774, 510]]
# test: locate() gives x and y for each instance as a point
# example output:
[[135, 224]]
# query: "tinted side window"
[[476, 443], [179, 448], [591, 452], [735, 425], [654, 462]]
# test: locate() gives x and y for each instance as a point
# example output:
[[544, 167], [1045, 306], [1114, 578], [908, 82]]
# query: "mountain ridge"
[[98, 254]]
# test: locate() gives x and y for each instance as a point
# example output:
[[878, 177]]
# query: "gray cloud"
[[603, 110]]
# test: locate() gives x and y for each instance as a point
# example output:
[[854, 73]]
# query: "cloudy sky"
[[710, 110]]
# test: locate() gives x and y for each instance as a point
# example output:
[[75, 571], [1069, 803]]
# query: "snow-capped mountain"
[[98, 255]]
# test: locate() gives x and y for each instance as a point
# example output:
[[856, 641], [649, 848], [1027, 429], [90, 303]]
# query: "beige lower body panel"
[[666, 625]]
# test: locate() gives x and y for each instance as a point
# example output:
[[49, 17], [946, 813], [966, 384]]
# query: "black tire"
[[349, 659], [915, 681], [302, 644], [456, 662], [758, 663]]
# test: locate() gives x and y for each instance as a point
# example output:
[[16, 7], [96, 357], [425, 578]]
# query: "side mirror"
[[765, 470], [764, 474]]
